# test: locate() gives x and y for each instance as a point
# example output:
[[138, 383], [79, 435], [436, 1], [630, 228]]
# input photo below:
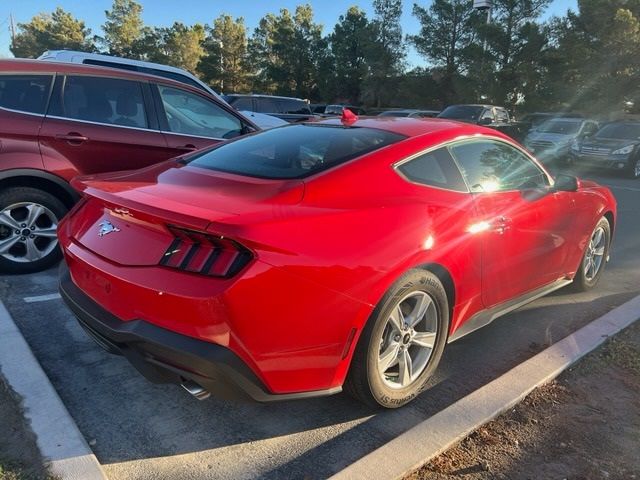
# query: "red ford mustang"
[[300, 260]]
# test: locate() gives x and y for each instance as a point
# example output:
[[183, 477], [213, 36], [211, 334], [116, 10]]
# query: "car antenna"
[[348, 117]]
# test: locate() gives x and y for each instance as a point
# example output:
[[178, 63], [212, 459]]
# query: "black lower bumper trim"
[[163, 356]]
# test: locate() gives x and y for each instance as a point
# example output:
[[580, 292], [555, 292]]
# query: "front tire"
[[28, 221], [402, 343], [595, 257]]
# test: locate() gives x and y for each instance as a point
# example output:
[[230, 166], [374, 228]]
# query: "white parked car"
[[166, 71]]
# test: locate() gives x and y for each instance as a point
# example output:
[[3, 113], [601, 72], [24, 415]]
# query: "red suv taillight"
[[206, 254]]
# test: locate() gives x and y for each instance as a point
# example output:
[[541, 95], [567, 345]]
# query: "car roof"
[[113, 59], [30, 65], [413, 127]]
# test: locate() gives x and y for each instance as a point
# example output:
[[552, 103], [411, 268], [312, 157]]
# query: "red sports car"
[[297, 261]]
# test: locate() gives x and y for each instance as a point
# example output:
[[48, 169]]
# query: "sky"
[[165, 12]]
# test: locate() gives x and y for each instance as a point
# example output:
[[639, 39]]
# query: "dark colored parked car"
[[287, 108], [616, 146], [337, 109], [59, 120], [487, 115], [410, 113]]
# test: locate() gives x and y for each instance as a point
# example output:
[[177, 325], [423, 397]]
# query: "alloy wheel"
[[408, 340], [27, 232], [594, 257]]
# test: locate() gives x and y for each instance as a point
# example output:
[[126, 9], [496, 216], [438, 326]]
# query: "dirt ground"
[[19, 455], [583, 426]]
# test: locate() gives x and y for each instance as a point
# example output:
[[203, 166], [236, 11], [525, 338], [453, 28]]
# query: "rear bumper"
[[163, 356]]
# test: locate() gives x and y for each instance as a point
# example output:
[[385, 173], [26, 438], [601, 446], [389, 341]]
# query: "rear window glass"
[[294, 151], [26, 93]]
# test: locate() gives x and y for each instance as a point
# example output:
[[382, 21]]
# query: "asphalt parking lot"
[[144, 431]]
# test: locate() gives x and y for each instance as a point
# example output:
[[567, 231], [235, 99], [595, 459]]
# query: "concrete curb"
[[58, 438], [438, 433]]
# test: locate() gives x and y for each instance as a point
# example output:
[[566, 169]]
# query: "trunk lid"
[[127, 215]]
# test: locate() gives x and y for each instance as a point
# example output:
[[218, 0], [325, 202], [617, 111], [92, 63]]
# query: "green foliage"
[[587, 60], [350, 48], [225, 62], [387, 52], [55, 31], [285, 53], [123, 28]]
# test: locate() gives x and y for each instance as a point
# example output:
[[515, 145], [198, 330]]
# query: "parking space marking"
[[415, 447], [42, 298]]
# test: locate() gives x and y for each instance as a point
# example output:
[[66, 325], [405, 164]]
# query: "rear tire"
[[398, 352], [595, 257], [28, 223]]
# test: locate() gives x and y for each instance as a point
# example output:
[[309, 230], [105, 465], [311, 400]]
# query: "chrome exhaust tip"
[[195, 390]]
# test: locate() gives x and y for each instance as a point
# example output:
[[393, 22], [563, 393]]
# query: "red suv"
[[61, 120]]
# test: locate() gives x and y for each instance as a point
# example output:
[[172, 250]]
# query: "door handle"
[[73, 138], [189, 147]]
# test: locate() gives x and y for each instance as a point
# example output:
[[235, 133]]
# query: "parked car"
[[551, 140], [533, 120], [337, 109], [286, 108], [616, 146], [487, 115], [161, 70], [304, 259], [410, 112], [59, 120], [318, 108]]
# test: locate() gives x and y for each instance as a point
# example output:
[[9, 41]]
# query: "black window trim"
[[467, 139], [396, 167], [60, 82], [46, 105]]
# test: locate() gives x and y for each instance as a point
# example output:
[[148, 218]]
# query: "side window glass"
[[191, 114], [502, 115], [243, 103], [435, 168], [490, 166], [103, 100], [487, 114], [26, 93], [267, 105]]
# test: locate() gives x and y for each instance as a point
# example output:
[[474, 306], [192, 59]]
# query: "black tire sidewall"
[[631, 173], [411, 282], [13, 195]]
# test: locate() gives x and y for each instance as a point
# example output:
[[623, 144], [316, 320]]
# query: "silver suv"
[[552, 139]]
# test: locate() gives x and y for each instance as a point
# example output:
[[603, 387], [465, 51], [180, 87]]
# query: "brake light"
[[205, 254]]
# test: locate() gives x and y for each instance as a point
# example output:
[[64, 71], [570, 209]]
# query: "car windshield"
[[561, 127], [462, 112], [621, 131], [294, 151], [334, 109]]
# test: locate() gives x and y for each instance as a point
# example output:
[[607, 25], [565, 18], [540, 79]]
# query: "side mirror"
[[565, 183], [485, 121]]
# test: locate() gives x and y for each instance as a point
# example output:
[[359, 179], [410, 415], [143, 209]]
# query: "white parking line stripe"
[[57, 435], [42, 298], [415, 447]]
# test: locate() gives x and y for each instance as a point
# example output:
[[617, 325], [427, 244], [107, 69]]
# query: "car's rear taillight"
[[206, 254]]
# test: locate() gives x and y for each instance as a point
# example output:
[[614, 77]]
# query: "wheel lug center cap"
[[406, 339], [26, 232]]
